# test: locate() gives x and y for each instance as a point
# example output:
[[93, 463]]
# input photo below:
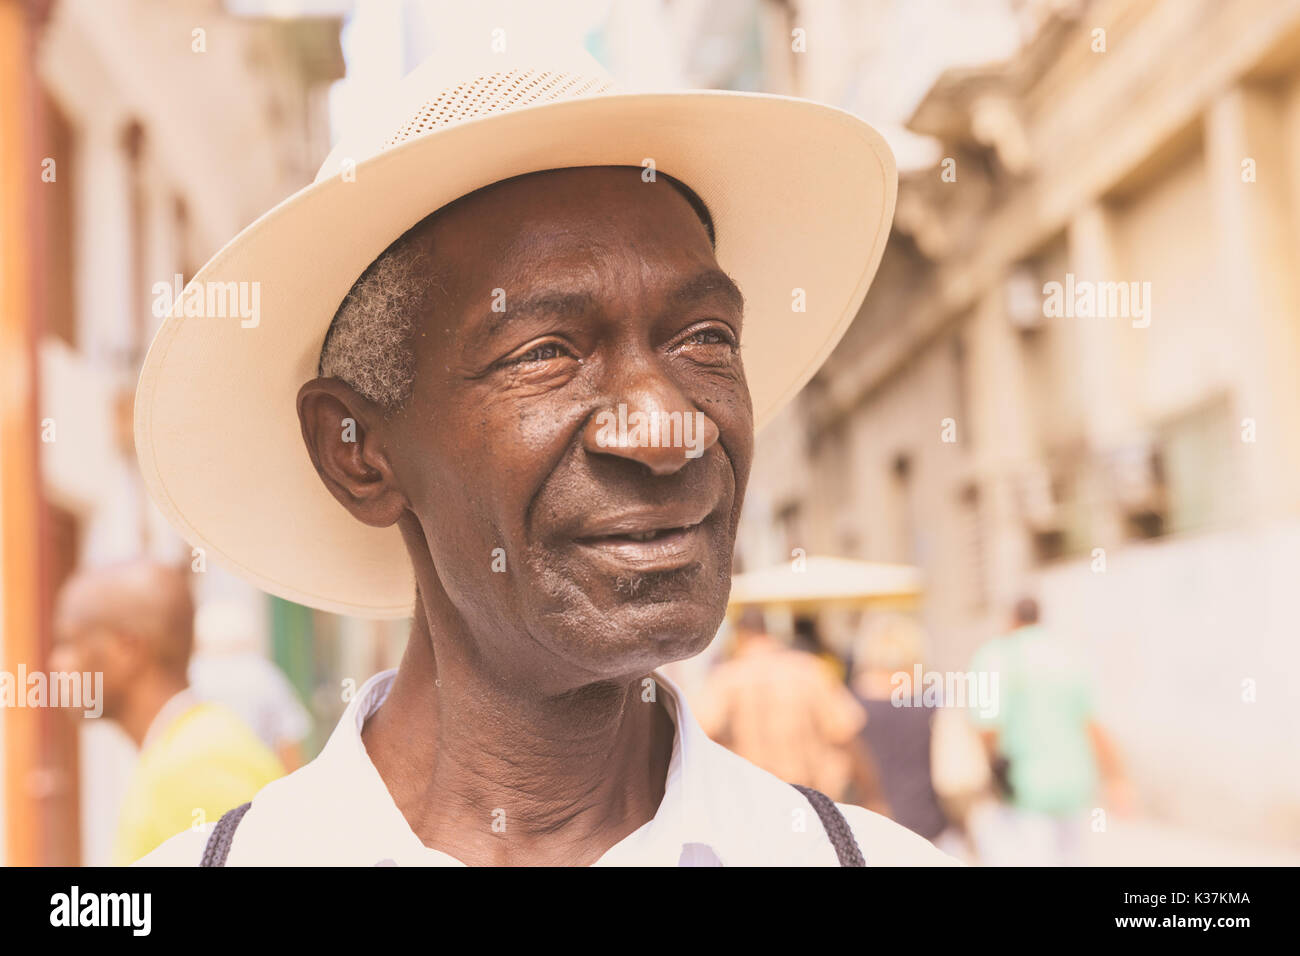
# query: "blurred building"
[[146, 135], [1137, 463]]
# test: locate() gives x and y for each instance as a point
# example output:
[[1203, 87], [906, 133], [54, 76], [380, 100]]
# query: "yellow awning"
[[820, 582]]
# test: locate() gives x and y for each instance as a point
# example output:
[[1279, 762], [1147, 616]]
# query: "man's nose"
[[651, 422]]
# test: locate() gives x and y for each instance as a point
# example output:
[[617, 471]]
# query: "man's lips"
[[665, 550], [647, 540], [641, 521]]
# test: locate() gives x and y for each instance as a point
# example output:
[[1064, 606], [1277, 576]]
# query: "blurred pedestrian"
[[900, 737], [134, 623], [1050, 752], [230, 667], [808, 638], [784, 710]]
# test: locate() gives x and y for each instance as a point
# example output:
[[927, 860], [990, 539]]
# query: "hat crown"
[[449, 89]]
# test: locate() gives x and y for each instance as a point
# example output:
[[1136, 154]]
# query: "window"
[[1198, 453]]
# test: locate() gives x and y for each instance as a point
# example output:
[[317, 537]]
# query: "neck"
[[149, 694], [497, 774]]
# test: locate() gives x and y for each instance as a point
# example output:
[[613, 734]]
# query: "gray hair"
[[368, 343]]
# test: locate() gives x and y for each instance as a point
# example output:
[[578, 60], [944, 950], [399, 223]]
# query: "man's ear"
[[340, 429]]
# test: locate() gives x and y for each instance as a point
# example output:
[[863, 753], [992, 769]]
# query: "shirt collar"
[[684, 830]]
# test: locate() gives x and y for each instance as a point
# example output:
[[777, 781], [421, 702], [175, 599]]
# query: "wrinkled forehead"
[[583, 208]]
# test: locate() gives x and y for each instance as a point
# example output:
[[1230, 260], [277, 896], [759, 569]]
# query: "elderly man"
[[134, 623], [533, 397]]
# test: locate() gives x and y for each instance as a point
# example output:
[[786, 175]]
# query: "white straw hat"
[[801, 196]]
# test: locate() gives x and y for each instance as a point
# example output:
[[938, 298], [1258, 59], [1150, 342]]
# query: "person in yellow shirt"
[[134, 623]]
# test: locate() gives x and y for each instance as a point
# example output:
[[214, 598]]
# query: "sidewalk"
[[1148, 843], [1005, 839]]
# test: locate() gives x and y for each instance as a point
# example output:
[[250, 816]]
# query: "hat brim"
[[802, 197]]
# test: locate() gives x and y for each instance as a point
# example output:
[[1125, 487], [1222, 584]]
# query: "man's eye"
[[710, 337], [539, 353]]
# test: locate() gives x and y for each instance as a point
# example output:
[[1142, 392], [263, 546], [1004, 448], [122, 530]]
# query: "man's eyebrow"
[[710, 283], [551, 303], [713, 282]]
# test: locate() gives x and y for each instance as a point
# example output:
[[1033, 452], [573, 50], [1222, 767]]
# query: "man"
[[529, 428], [784, 710], [1056, 753], [133, 623]]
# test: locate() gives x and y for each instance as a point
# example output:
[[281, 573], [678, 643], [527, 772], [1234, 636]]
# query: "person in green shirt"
[[1056, 753]]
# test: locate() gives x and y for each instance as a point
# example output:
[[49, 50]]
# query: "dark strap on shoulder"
[[223, 834], [837, 828]]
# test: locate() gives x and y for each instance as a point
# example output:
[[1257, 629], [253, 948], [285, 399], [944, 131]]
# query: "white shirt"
[[718, 810]]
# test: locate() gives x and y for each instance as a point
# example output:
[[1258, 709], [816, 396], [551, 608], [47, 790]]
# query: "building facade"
[[146, 135], [1075, 377]]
